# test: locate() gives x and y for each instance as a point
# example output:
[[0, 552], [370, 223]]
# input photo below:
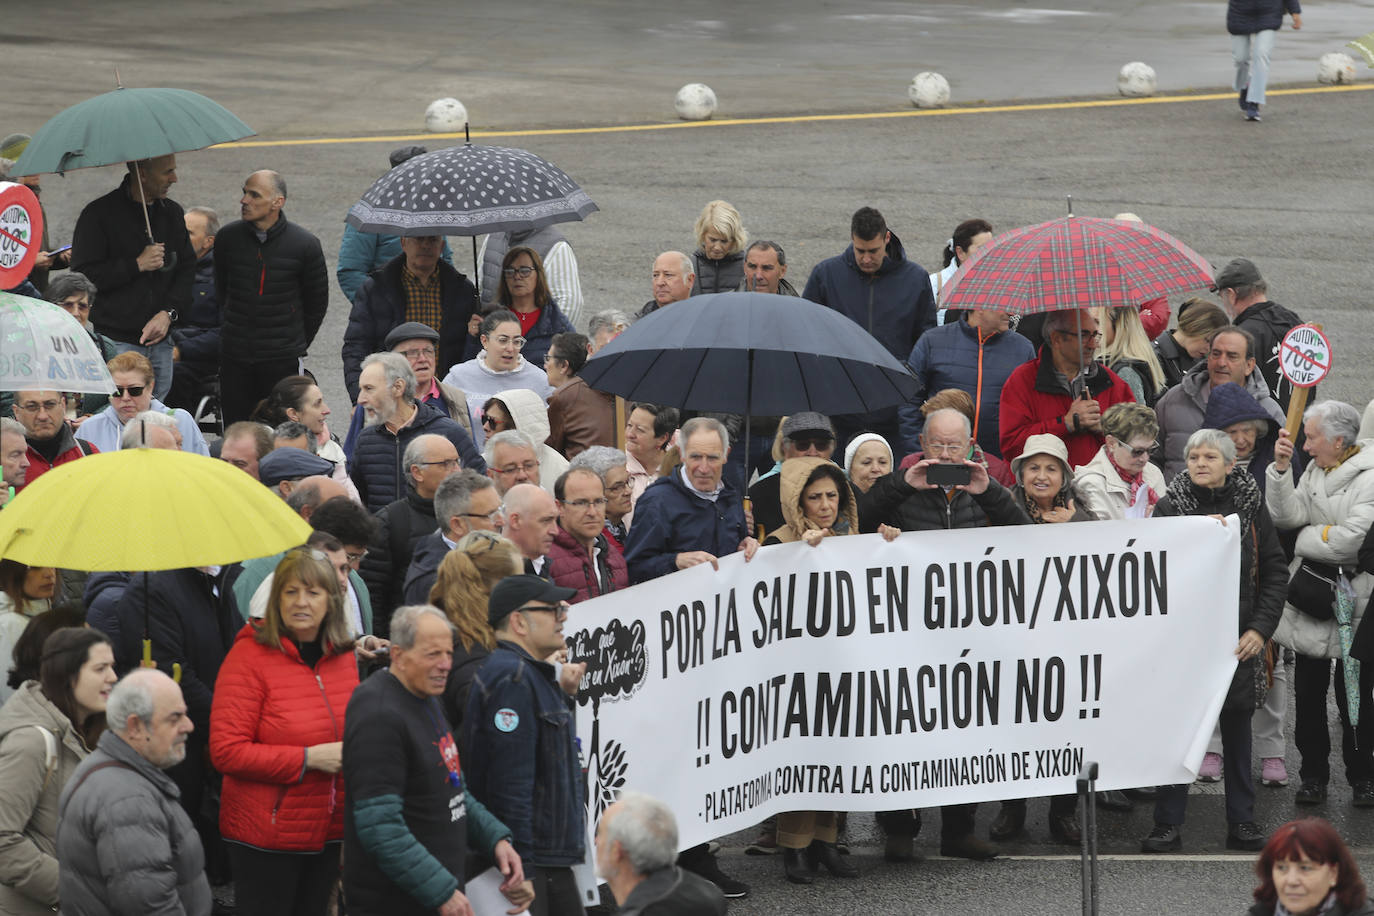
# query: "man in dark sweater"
[[133, 245], [272, 287], [1245, 294], [409, 819]]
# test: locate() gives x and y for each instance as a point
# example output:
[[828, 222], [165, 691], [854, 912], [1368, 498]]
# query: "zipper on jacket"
[[333, 720], [262, 274]]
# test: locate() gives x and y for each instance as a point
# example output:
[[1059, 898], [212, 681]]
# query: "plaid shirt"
[[423, 302]]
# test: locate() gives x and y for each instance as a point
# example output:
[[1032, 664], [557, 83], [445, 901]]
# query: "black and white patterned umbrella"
[[470, 190]]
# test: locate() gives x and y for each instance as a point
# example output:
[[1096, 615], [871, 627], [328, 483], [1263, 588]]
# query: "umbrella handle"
[[147, 655]]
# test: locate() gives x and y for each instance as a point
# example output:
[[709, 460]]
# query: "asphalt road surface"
[[333, 84]]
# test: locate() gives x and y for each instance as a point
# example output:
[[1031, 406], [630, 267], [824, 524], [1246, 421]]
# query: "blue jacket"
[[104, 429], [537, 342], [380, 305], [1246, 17], [521, 738], [670, 518], [948, 357], [376, 464], [895, 304], [360, 253], [1231, 403]]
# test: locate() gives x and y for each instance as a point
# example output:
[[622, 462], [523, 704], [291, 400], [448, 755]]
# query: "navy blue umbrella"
[[750, 353]]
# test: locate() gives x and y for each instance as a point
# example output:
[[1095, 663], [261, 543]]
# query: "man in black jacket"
[[1245, 294], [273, 289], [144, 280], [195, 345]]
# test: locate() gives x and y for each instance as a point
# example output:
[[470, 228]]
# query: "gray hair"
[[395, 366], [697, 424], [609, 320], [277, 182], [1337, 419], [134, 433], [405, 623], [12, 426], [599, 458], [950, 411], [415, 450], [304, 495], [1212, 438], [212, 218], [1064, 320], [293, 429], [688, 268], [646, 829], [768, 245], [132, 696], [454, 494], [511, 437], [64, 285]]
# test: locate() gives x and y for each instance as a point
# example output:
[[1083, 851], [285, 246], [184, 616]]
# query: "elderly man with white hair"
[[605, 326], [671, 280], [124, 843], [151, 429], [394, 417], [14, 457], [636, 845]]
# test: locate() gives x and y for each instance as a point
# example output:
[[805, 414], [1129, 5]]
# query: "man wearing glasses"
[[521, 736], [465, 502], [1063, 391], [49, 436], [416, 286], [581, 556]]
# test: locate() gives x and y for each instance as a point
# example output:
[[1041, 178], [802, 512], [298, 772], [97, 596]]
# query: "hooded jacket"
[[380, 305], [717, 276], [272, 294], [28, 805], [957, 355], [530, 415], [1230, 403], [376, 464], [1246, 17], [481, 382], [570, 566], [1343, 499], [791, 482], [1182, 408], [269, 707], [894, 304], [1035, 400]]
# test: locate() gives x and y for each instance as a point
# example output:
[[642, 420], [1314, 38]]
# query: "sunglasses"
[[132, 391], [802, 443]]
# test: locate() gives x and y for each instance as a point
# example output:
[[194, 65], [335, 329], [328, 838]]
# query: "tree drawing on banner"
[[617, 665]]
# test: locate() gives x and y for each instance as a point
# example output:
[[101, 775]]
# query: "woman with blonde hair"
[[1181, 348], [462, 586], [1127, 351], [719, 258]]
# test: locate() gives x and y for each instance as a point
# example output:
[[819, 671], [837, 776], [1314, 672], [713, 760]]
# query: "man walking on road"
[[1253, 25], [144, 281], [273, 290]]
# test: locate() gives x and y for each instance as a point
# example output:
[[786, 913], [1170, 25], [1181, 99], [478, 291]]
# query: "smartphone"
[[948, 475]]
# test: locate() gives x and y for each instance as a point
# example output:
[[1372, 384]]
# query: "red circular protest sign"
[[21, 233], [1305, 356]]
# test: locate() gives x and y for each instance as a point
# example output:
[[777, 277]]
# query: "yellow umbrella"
[[146, 509]]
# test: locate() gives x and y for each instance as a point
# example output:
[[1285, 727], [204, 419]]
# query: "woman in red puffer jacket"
[[276, 732]]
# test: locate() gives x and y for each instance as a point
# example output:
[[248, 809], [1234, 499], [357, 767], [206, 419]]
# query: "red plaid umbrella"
[[1075, 262]]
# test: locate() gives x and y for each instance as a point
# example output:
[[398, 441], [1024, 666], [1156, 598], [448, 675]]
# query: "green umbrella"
[[127, 125], [1345, 614], [1365, 45]]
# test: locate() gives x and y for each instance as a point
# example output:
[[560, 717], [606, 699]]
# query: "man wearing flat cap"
[[1245, 296], [283, 467], [521, 736], [804, 435]]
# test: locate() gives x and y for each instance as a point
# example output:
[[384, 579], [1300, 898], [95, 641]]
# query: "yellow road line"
[[791, 119]]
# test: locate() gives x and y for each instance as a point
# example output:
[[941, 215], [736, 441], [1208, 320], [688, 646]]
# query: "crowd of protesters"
[[396, 693]]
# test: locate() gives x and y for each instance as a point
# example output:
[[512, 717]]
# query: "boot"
[[1009, 821], [820, 853], [796, 866]]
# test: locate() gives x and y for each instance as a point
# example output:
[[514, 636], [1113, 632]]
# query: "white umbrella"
[[44, 348]]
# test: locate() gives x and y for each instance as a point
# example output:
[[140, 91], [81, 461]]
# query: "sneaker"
[[700, 862], [1210, 771], [1273, 773], [1252, 112], [1163, 838], [1245, 836], [1363, 796], [1311, 792], [766, 844]]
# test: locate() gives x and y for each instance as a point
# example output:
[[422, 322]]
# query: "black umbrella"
[[750, 353], [470, 190]]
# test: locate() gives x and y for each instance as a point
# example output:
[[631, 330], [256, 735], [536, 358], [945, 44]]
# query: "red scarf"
[[1136, 481]]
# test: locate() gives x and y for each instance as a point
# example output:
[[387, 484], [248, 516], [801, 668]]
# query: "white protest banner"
[[944, 667]]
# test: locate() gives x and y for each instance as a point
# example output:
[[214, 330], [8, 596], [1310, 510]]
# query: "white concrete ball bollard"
[[695, 102], [1336, 67], [928, 90], [445, 116], [1136, 80]]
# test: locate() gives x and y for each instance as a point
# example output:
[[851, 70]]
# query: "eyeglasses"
[[133, 391], [1135, 452], [355, 558], [559, 611], [616, 489], [39, 406], [583, 504], [489, 420], [529, 467], [504, 341], [521, 272], [450, 463], [936, 448], [1086, 336], [802, 443], [415, 353], [493, 517]]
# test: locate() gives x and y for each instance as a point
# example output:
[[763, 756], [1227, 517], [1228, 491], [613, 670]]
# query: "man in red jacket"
[[49, 435], [1063, 391], [581, 557]]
